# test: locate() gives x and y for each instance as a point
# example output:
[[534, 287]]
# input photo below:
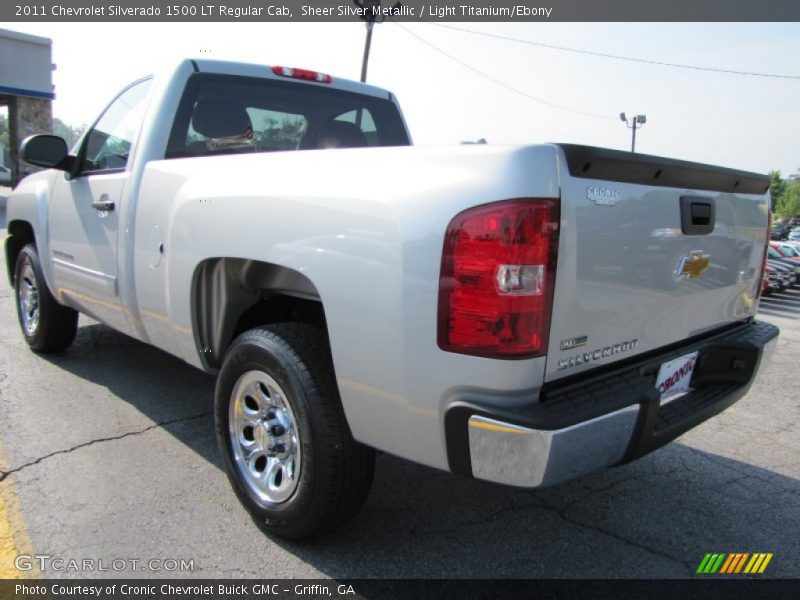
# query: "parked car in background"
[[775, 252], [772, 282], [794, 236], [780, 231], [788, 249], [786, 274], [5, 174]]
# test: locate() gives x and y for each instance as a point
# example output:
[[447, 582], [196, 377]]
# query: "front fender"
[[29, 203]]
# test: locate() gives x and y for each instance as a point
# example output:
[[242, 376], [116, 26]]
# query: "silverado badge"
[[693, 264]]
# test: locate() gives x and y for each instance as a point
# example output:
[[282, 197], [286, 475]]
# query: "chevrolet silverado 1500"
[[522, 315]]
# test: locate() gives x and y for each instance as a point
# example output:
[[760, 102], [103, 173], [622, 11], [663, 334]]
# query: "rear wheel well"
[[20, 234], [233, 295]]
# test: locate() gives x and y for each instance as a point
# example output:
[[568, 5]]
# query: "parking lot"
[[107, 452]]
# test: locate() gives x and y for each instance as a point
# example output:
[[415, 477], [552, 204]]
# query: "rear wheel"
[[282, 433], [47, 325]]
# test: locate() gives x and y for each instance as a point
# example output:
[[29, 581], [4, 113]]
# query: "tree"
[[789, 202], [777, 186], [3, 133], [69, 133]]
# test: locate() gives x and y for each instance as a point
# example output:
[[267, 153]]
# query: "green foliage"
[[69, 133], [789, 202], [777, 186], [3, 132]]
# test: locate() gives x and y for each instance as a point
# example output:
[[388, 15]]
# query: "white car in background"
[[5, 174]]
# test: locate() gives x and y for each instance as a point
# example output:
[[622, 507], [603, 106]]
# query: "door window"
[[108, 144]]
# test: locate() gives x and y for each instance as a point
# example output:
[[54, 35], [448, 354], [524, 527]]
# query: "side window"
[[108, 144]]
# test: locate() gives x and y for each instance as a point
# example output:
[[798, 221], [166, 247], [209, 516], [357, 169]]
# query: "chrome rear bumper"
[[607, 418], [524, 457]]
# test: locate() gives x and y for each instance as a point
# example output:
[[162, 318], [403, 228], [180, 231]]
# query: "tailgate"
[[652, 251]]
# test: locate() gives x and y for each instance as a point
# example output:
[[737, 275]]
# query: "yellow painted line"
[[494, 427], [182, 329], [14, 538], [765, 563], [67, 292], [154, 315], [386, 396]]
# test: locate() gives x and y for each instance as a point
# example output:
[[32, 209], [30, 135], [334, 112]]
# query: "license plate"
[[674, 376]]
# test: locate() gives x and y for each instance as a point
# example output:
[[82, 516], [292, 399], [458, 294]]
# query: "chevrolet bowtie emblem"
[[693, 264]]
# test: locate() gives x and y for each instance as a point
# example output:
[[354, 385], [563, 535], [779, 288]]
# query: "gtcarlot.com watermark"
[[47, 562]]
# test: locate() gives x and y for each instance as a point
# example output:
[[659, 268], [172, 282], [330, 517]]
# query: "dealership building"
[[26, 89]]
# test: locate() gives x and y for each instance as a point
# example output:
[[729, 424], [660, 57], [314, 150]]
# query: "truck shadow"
[[656, 517]]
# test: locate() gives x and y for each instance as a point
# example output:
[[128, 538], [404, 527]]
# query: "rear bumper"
[[602, 418]]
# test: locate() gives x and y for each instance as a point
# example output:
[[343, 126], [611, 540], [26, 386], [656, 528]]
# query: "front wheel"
[[282, 434], [47, 325]]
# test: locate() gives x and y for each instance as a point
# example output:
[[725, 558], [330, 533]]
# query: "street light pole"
[[636, 122]]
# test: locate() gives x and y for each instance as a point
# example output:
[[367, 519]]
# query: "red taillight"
[[497, 279], [303, 74]]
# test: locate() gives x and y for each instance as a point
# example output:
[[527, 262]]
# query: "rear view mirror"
[[49, 151]]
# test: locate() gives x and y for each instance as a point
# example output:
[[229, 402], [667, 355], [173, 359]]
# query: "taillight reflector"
[[303, 74], [497, 279]]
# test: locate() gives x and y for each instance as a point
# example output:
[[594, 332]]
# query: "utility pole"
[[371, 13], [367, 44], [636, 122]]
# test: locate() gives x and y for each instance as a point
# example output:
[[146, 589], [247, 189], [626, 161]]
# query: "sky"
[[744, 122]]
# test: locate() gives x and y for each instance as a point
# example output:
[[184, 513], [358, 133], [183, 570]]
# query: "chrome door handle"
[[103, 205]]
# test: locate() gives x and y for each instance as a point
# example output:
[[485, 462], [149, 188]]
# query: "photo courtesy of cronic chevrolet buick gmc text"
[[523, 315]]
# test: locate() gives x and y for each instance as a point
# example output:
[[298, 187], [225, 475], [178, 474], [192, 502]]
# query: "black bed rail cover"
[[589, 162]]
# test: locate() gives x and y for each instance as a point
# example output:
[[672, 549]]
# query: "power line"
[[614, 56], [501, 83]]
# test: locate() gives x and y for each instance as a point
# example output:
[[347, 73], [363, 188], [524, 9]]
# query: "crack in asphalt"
[[562, 514], [720, 462], [4, 474]]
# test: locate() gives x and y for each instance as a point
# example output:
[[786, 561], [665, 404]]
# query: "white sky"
[[744, 122]]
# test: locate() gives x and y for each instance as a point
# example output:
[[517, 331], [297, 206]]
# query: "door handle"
[[104, 204]]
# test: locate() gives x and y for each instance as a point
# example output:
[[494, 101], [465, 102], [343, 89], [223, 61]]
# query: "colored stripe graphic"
[[728, 564], [711, 563], [758, 563], [734, 563]]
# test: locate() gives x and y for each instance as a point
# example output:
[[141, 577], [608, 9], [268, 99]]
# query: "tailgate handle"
[[697, 215]]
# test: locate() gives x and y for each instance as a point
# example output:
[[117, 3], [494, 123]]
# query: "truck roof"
[[223, 67]]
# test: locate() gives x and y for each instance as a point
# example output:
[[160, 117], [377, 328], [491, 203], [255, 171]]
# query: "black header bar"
[[12, 11]]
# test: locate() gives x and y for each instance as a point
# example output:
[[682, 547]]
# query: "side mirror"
[[49, 151]]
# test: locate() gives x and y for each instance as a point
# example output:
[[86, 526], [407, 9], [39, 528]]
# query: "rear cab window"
[[226, 114]]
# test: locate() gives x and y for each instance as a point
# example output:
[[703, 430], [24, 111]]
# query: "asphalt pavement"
[[107, 452]]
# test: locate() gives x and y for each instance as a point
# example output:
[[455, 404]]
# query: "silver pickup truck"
[[522, 315]]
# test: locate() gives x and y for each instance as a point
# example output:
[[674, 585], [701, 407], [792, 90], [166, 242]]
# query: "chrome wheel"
[[264, 437], [28, 298]]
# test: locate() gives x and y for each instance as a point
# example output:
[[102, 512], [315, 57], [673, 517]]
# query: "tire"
[[46, 325], [308, 476]]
